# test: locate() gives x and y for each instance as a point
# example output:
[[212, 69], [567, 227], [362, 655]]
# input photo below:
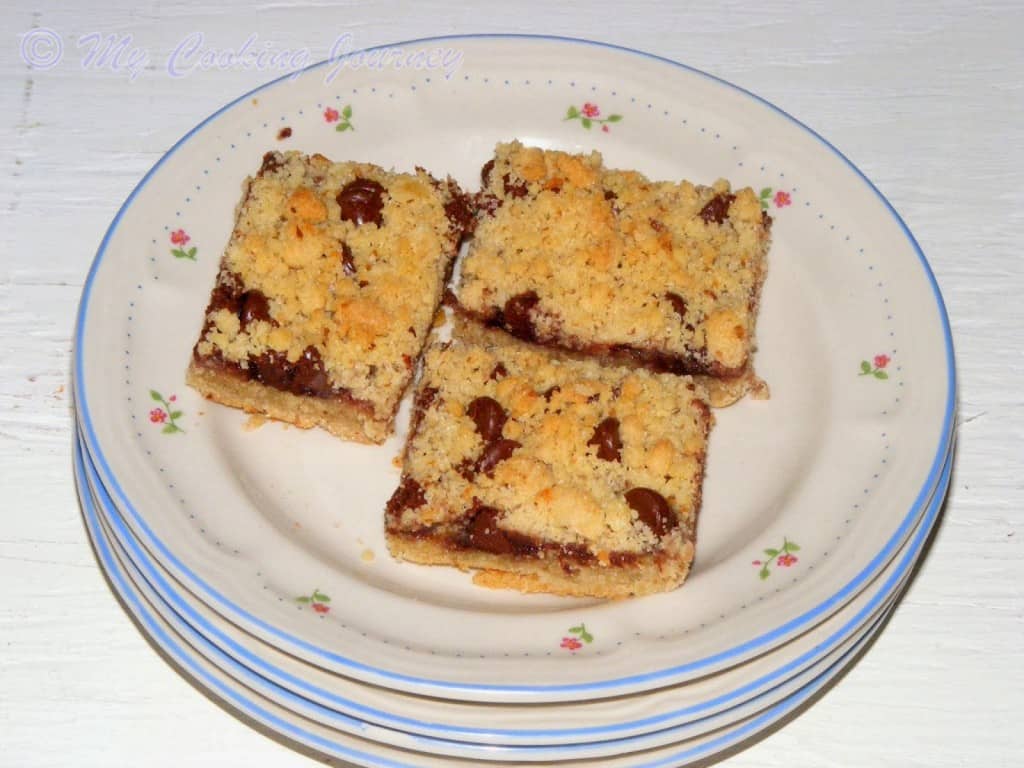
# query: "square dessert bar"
[[572, 255], [326, 292], [550, 475]]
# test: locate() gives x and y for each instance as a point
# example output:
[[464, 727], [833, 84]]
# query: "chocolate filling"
[[488, 203], [460, 213], [271, 162], [303, 377], [717, 208], [485, 172], [516, 318], [253, 306], [479, 530], [514, 188], [678, 304], [408, 495], [606, 438]]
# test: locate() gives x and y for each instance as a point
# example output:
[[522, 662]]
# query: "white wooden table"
[[926, 98]]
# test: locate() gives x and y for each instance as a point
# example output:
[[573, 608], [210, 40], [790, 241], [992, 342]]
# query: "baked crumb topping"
[[332, 276], [570, 253], [512, 450]]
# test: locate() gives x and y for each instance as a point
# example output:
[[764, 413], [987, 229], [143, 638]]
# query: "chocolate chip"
[[489, 417], [609, 195], [483, 532], [306, 376], [678, 304], [362, 202], [717, 208], [499, 372], [606, 438], [466, 468], [550, 391], [271, 368], [408, 495], [652, 509], [271, 162], [488, 203], [495, 452], [514, 188], [425, 398], [766, 220], [284, 133], [226, 294], [459, 213], [309, 377], [253, 305], [516, 315], [348, 264], [485, 172]]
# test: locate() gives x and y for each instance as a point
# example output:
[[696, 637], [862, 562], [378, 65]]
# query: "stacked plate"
[[255, 557]]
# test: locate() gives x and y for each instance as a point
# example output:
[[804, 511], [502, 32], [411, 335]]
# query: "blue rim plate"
[[241, 690], [842, 459], [845, 628]]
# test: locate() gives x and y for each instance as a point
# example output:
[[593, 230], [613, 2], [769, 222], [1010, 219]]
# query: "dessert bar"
[[326, 292], [606, 263], [550, 475]]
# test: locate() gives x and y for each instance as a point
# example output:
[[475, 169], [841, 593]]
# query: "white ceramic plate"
[[774, 674], [840, 462], [285, 722]]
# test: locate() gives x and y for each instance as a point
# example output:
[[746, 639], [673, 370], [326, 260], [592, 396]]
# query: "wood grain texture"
[[927, 99]]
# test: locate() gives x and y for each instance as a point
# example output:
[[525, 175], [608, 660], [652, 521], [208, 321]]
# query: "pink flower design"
[[589, 115], [331, 115], [576, 638], [164, 413], [781, 556], [782, 199], [878, 371], [179, 239], [316, 600]]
